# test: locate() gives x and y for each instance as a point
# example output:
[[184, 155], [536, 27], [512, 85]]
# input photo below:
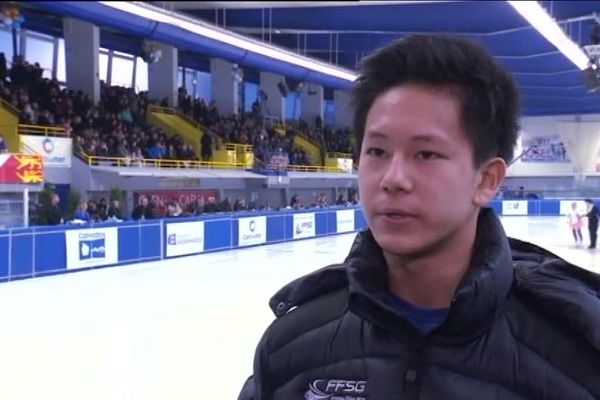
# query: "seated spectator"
[[240, 204], [295, 202], [173, 209], [102, 209], [211, 206], [82, 214], [92, 210], [114, 211], [340, 200], [143, 210]]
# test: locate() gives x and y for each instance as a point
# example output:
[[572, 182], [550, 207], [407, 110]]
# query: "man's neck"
[[430, 280]]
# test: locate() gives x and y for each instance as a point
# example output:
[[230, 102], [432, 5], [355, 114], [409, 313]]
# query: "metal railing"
[[312, 168], [338, 155], [9, 107], [40, 130], [159, 163]]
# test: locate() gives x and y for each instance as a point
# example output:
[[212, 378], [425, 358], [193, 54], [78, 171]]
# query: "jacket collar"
[[477, 299]]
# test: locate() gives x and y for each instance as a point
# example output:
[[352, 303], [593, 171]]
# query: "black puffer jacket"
[[524, 324]]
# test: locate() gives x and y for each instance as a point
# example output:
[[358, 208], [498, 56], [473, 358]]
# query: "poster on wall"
[[304, 225], [544, 149], [514, 207], [184, 238], [252, 231], [56, 152], [91, 247], [187, 199]]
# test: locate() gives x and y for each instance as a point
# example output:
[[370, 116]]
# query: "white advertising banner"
[[514, 207], [184, 238], [55, 151], [252, 231], [304, 225], [344, 220], [565, 207], [92, 247]]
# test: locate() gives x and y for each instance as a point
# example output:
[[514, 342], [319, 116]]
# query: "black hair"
[[488, 93]]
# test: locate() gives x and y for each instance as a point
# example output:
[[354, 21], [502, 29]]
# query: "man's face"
[[417, 179]]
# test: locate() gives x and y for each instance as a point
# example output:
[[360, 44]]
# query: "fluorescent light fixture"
[[537, 16], [228, 37]]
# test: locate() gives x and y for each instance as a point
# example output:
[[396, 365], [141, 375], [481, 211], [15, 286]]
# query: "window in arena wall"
[[6, 45], [40, 49], [103, 66], [141, 75], [61, 66], [122, 71]]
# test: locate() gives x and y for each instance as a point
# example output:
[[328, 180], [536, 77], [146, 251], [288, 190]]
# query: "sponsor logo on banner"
[[91, 247], [55, 151], [345, 220], [185, 238], [304, 225], [252, 231], [514, 207], [21, 168]]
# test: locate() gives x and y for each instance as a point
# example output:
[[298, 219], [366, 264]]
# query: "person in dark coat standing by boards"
[[592, 216]]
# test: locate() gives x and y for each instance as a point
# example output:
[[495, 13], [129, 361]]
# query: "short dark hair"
[[488, 93]]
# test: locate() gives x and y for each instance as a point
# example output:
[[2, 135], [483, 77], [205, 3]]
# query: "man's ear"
[[492, 174]]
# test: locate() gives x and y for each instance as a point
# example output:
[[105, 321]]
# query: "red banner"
[[185, 198], [21, 169]]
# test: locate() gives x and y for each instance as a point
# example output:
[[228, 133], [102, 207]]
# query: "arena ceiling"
[[341, 33]]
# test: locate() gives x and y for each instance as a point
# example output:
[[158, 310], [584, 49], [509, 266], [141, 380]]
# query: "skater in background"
[[575, 220], [592, 216]]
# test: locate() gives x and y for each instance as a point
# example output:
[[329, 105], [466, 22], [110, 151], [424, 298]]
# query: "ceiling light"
[[228, 37], [537, 16]]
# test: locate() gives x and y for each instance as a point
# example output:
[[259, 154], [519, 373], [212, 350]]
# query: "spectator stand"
[[9, 121], [176, 123], [339, 161]]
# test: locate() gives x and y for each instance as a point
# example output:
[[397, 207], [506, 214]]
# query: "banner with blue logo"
[[252, 231], [184, 238], [92, 247], [55, 151], [304, 225]]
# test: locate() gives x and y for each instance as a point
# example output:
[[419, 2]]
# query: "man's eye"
[[428, 155], [374, 151]]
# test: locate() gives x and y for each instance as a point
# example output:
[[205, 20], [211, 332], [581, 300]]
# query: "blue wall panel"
[[50, 252], [4, 255], [150, 241], [549, 207], [332, 222], [129, 243], [276, 228], [359, 220], [22, 254], [217, 234], [321, 223], [289, 227]]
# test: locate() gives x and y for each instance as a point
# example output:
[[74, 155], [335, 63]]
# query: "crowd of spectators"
[[116, 126]]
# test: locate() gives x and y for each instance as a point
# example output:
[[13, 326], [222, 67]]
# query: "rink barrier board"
[[42, 250]]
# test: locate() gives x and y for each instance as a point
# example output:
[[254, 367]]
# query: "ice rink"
[[179, 329]]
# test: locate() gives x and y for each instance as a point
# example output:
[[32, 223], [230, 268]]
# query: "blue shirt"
[[423, 318]]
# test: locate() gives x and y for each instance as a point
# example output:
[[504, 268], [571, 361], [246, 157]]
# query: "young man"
[[434, 301]]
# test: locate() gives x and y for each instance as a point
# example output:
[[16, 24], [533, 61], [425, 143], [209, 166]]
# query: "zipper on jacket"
[[412, 374]]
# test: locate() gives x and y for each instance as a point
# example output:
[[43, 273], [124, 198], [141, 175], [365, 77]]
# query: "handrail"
[[312, 168], [41, 130], [334, 154], [173, 111], [161, 163], [9, 107]]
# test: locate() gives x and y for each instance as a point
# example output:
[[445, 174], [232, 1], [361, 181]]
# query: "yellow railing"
[[159, 163], [9, 107], [172, 111], [338, 155], [311, 168], [40, 130]]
